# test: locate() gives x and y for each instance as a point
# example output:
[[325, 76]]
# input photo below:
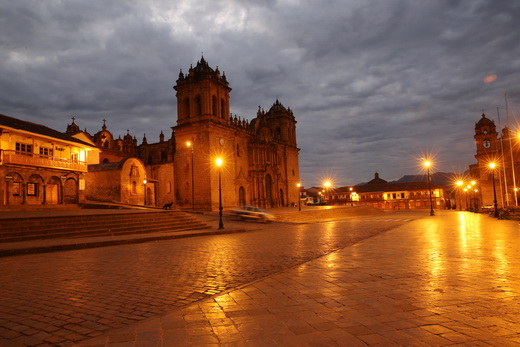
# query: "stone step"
[[25, 229], [95, 233], [71, 228], [98, 221]]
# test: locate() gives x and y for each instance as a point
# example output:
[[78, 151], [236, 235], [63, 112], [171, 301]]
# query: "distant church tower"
[[260, 157], [487, 150]]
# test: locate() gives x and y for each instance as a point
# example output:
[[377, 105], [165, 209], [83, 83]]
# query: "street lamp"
[[492, 166], [190, 145], [474, 204], [144, 185], [475, 199], [460, 183], [299, 196], [219, 162], [327, 185], [427, 164]]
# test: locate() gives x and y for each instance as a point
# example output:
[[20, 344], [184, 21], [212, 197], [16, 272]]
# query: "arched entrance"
[[70, 191], [150, 198], [53, 191], [13, 191], [241, 196], [282, 202]]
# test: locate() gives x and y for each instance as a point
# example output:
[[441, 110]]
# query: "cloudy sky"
[[374, 84]]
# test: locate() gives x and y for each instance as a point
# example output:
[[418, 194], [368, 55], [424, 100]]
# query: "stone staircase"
[[39, 228]]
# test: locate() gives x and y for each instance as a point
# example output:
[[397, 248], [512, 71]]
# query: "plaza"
[[393, 278]]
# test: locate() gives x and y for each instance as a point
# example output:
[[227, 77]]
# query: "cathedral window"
[[187, 107], [198, 105], [214, 105]]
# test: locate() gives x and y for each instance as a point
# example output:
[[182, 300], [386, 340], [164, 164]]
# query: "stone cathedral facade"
[[260, 157]]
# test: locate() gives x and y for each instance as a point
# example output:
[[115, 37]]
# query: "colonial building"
[[41, 166], [501, 149], [388, 195], [259, 157]]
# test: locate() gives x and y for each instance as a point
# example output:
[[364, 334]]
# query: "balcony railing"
[[33, 159]]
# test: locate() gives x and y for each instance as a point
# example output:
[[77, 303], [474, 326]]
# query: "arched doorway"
[[241, 196], [70, 191], [53, 191], [13, 191], [150, 198], [268, 191], [282, 202]]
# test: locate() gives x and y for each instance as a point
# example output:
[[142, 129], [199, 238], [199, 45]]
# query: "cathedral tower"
[[260, 157]]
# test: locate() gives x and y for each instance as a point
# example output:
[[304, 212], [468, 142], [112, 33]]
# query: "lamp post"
[[475, 199], [299, 196], [327, 186], [460, 183], [218, 162], [492, 166], [474, 204], [190, 145], [144, 188], [427, 164]]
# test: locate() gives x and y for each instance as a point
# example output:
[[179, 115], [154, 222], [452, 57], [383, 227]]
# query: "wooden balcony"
[[35, 160]]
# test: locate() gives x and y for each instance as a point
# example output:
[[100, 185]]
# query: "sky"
[[374, 85]]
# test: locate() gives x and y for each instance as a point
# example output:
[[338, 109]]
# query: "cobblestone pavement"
[[448, 280], [65, 297]]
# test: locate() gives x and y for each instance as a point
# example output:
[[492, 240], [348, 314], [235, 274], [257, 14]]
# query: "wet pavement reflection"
[[69, 296]]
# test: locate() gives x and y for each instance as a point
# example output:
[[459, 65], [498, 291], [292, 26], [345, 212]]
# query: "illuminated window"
[[45, 152], [74, 157], [23, 148]]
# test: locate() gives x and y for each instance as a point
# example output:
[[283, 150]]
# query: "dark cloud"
[[374, 85]]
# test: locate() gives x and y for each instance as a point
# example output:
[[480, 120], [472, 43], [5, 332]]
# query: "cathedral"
[[259, 157], [502, 150]]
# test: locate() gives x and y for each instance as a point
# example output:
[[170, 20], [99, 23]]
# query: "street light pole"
[[220, 222], [144, 185], [492, 166], [459, 183], [427, 164], [299, 196]]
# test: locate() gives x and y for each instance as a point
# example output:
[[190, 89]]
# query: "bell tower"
[[486, 138], [202, 94]]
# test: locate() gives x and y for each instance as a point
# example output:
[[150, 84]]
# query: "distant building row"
[[384, 195]]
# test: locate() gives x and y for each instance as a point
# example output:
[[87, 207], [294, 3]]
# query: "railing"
[[32, 159]]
